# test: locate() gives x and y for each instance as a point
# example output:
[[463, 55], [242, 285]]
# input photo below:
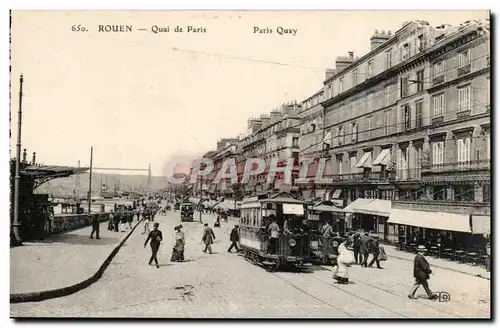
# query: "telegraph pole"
[[17, 178], [90, 178]]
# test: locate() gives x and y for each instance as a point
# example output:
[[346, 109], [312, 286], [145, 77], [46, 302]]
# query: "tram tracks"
[[303, 286], [360, 308], [404, 296]]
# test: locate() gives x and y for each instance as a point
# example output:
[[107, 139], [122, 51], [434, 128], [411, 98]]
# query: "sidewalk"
[[391, 251], [62, 260]]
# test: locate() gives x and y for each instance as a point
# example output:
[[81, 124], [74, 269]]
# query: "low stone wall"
[[68, 222]]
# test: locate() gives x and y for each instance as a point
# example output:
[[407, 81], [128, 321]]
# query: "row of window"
[[464, 60], [459, 193], [405, 52], [463, 152]]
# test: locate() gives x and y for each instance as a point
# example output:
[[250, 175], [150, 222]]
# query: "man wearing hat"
[[421, 272], [234, 237]]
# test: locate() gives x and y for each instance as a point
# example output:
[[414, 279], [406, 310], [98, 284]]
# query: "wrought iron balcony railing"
[[438, 80], [457, 166], [464, 70], [365, 176]]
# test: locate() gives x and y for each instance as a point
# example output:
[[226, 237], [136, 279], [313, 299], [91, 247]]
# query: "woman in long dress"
[[178, 251], [344, 261]]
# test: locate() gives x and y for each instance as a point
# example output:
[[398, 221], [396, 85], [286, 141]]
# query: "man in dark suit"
[[95, 227], [356, 247], [234, 238], [369, 246], [375, 251], [421, 272]]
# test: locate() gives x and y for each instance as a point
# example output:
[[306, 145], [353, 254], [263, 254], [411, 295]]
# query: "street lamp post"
[[17, 177], [90, 179]]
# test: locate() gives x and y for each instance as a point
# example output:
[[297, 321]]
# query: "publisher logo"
[[443, 297]]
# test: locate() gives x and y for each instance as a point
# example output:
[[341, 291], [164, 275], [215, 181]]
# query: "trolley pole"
[[17, 178], [89, 198]]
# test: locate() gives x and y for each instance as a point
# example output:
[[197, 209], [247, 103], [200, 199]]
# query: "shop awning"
[[365, 161], [384, 158], [431, 220], [336, 193], [379, 207], [481, 224], [296, 209]]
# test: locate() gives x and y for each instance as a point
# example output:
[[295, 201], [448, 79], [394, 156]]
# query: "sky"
[[145, 97]]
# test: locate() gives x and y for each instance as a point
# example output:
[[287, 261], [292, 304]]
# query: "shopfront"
[[372, 215], [454, 229]]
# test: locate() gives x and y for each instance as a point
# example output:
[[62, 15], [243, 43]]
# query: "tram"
[[290, 246]]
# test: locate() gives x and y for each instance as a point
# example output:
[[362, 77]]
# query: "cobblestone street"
[[227, 286]]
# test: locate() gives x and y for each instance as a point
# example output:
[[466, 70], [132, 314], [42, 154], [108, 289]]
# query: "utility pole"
[[90, 178], [17, 178]]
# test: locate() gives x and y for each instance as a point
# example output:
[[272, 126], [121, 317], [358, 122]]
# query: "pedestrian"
[[344, 261], [124, 219], [217, 222], [421, 272], [274, 230], [146, 224], [138, 213], [95, 227], [369, 246], [178, 251], [488, 256], [356, 247], [156, 238], [116, 220], [234, 237], [375, 251], [130, 218], [111, 221], [326, 230], [208, 238]]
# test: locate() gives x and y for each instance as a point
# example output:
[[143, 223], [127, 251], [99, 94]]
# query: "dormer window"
[[406, 51]]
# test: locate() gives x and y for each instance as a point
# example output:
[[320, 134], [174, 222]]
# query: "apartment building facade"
[[312, 134], [404, 118]]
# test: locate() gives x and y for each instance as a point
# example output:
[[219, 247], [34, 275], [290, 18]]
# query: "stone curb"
[[65, 291]]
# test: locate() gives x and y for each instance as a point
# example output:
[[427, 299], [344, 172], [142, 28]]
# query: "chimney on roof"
[[253, 125], [276, 115], [329, 73], [379, 38], [342, 61], [24, 155], [34, 157], [265, 119]]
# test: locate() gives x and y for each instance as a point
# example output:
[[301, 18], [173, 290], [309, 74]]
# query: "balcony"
[[464, 70], [451, 206], [408, 174], [464, 113], [437, 119], [365, 176], [457, 167], [438, 80]]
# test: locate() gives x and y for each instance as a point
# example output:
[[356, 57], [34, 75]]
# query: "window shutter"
[[467, 150], [488, 145], [459, 150], [442, 153]]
